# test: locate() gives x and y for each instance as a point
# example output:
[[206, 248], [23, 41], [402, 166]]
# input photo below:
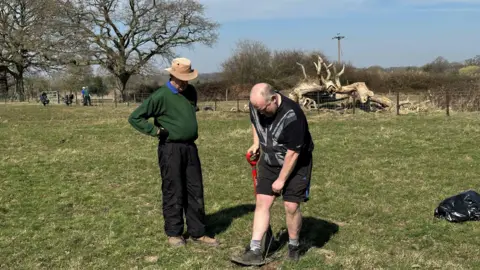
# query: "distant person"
[[173, 108], [44, 99], [86, 97], [68, 99]]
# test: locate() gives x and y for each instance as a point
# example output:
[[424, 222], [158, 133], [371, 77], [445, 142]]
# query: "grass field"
[[80, 189]]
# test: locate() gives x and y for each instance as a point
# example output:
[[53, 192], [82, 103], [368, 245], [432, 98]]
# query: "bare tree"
[[28, 32], [474, 61], [249, 63], [285, 70], [253, 61], [73, 78], [439, 65], [124, 35]]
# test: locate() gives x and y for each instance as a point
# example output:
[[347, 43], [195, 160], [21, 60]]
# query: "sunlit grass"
[[81, 189]]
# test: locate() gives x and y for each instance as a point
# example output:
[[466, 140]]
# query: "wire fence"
[[398, 102]]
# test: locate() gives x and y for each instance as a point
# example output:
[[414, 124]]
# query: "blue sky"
[[378, 32]]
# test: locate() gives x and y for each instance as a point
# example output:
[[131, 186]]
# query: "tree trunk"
[[3, 80], [19, 86], [122, 81]]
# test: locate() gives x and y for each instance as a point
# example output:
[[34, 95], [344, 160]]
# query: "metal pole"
[[338, 38]]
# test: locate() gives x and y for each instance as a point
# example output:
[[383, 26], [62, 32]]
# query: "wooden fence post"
[[354, 104], [447, 100], [398, 102]]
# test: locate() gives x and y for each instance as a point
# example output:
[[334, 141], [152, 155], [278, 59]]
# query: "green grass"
[[80, 189]]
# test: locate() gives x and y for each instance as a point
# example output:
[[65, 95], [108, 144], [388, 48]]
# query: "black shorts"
[[297, 186]]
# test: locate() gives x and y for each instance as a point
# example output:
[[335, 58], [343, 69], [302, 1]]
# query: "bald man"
[[280, 130]]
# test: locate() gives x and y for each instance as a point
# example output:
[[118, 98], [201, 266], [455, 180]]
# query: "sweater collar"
[[172, 88]]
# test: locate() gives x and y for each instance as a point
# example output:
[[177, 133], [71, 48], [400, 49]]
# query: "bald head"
[[261, 93], [264, 99]]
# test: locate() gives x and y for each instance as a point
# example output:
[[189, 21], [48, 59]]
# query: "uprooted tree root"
[[332, 88]]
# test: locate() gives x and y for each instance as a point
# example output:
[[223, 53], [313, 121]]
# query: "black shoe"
[[293, 252], [250, 257]]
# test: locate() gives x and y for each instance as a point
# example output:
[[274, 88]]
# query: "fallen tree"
[[331, 90]]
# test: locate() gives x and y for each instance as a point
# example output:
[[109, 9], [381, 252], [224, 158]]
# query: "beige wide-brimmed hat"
[[182, 69]]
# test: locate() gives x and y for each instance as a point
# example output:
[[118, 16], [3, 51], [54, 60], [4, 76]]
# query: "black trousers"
[[182, 188]]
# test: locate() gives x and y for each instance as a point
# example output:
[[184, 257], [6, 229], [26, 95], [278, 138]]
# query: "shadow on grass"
[[220, 221], [314, 233]]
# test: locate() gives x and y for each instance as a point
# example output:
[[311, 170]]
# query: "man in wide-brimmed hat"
[[173, 107]]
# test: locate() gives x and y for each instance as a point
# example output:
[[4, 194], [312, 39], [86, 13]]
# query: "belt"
[[163, 141]]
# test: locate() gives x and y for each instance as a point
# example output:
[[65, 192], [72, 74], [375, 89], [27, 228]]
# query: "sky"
[[377, 32]]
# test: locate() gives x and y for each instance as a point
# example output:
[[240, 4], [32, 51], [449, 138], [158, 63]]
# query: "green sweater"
[[174, 111]]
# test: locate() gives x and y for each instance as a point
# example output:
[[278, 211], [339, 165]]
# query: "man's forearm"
[[288, 164], [143, 125], [256, 141]]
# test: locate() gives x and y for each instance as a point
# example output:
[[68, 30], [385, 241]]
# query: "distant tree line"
[[252, 61]]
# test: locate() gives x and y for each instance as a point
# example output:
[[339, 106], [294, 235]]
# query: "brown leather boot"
[[176, 241], [206, 240]]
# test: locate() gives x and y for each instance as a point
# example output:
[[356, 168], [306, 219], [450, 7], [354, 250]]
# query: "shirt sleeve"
[[294, 134], [151, 107]]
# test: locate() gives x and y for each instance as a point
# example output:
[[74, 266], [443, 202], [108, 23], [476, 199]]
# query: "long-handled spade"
[[268, 237]]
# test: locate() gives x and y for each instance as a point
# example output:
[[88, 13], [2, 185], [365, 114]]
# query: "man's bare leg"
[[294, 221], [261, 219]]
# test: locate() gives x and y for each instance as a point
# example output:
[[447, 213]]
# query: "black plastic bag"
[[459, 208]]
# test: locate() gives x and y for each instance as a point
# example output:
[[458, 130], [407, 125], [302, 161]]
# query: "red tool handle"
[[253, 159]]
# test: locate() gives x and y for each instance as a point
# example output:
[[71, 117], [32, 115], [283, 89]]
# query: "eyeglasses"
[[264, 109]]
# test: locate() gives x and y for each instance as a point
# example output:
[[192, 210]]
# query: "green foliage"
[[470, 70]]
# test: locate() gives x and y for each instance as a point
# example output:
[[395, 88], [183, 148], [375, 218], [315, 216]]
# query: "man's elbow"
[[134, 121], [292, 154], [294, 151]]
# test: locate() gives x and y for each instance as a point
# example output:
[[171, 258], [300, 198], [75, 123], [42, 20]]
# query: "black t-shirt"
[[286, 130]]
